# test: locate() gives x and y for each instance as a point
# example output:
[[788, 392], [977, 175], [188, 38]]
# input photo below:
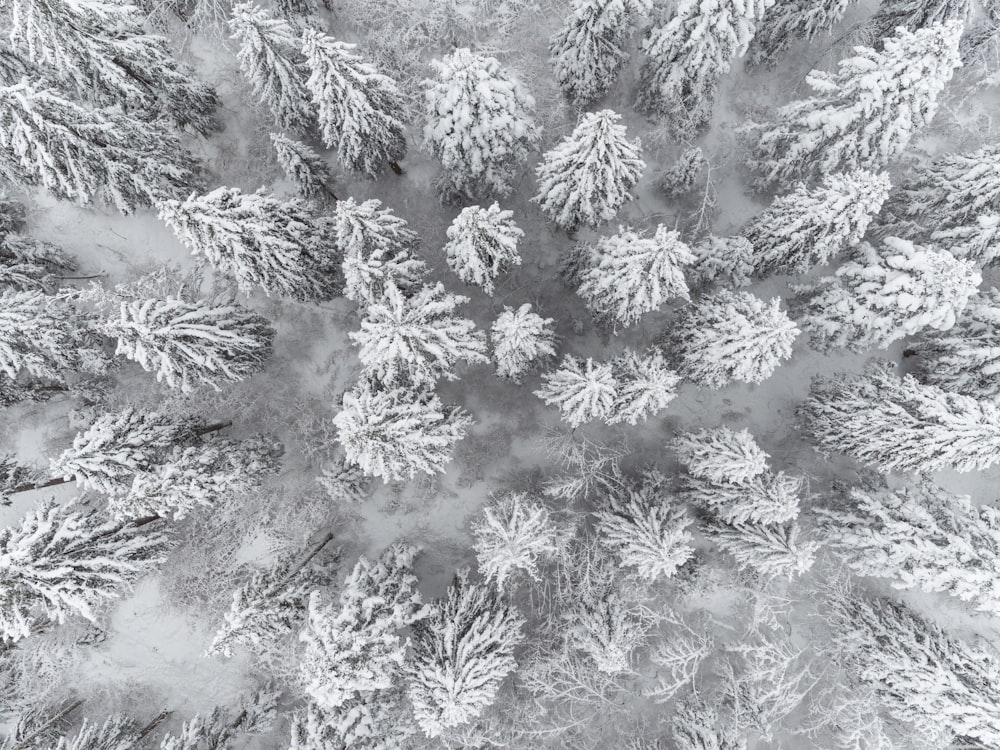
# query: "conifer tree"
[[729, 260], [303, 166], [395, 434], [480, 125], [605, 630], [14, 475], [966, 357], [31, 265], [80, 153], [765, 499], [772, 550], [259, 240], [628, 275], [377, 249], [698, 725], [417, 339], [360, 110], [271, 60], [60, 561], [582, 390], [864, 115], [482, 244], [898, 424], [921, 537], [586, 177], [732, 336], [521, 340], [721, 455], [792, 21], [588, 50], [810, 227], [461, 653], [916, 14], [644, 386], [688, 55], [40, 335], [884, 294], [191, 343]]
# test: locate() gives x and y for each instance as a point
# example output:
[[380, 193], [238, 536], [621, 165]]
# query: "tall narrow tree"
[[792, 21]]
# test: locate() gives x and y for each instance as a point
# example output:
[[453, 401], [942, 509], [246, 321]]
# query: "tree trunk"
[[152, 725], [396, 168], [327, 538], [215, 427], [41, 485], [28, 741]]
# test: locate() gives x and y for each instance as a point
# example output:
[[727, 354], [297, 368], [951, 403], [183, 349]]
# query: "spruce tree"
[[721, 455], [679, 180], [303, 166], [810, 227], [40, 335], [864, 115], [884, 294], [644, 386], [732, 336], [605, 630], [28, 264], [727, 260], [770, 550], [898, 424], [586, 177], [582, 390], [792, 21], [480, 125], [698, 725], [360, 110], [271, 60], [916, 14], [259, 240], [461, 653], [482, 244], [521, 340]]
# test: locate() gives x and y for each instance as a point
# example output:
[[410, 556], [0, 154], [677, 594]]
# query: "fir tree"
[[732, 336], [259, 240], [605, 630], [807, 227], [482, 244], [966, 357], [373, 722], [586, 177], [644, 386], [360, 110], [697, 725], [582, 390], [461, 653], [687, 56], [377, 249], [628, 275], [921, 537], [884, 294], [727, 259], [118, 732], [480, 125], [521, 340], [271, 60], [588, 50], [765, 499], [39, 334], [344, 482], [771, 551], [417, 339], [721, 456], [80, 153], [31, 265], [189, 344], [395, 434], [13, 476], [916, 14], [60, 562], [864, 115], [792, 21], [680, 179], [898, 424], [303, 166]]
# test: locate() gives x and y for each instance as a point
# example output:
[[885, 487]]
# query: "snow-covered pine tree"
[[343, 481], [60, 561], [721, 455], [582, 390], [395, 434], [765, 499], [687, 56], [726, 259], [604, 629], [884, 294], [921, 537], [864, 115], [101, 51], [271, 60], [352, 646], [679, 179], [521, 340], [480, 125], [644, 386], [628, 274], [482, 244], [377, 248], [587, 176], [271, 605], [28, 264], [588, 50], [698, 725], [187, 344], [461, 653], [732, 336], [899, 424], [14, 475], [81, 153], [771, 551], [259, 240], [513, 535], [792, 21], [645, 531], [360, 110], [919, 671], [117, 732], [377, 721], [810, 227], [41, 335], [416, 340], [916, 14], [965, 358], [303, 166]]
